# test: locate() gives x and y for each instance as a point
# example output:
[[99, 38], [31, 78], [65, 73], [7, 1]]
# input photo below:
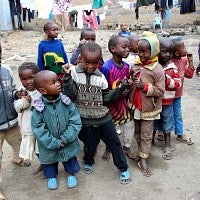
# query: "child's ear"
[[112, 48], [176, 53], [42, 91]]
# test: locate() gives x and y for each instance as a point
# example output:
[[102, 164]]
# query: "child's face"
[[51, 86], [134, 46], [89, 36], [27, 78], [124, 27], [52, 32], [122, 48], [90, 61], [166, 52], [144, 51], [180, 50]]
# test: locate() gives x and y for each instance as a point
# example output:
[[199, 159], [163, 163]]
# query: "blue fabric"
[[178, 119], [98, 3], [166, 121], [71, 166]]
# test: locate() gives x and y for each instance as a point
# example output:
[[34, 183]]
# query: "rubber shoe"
[[72, 182], [52, 184]]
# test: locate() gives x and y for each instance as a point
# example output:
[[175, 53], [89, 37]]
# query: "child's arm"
[[189, 71], [69, 87], [22, 104], [74, 125], [41, 133], [40, 58]]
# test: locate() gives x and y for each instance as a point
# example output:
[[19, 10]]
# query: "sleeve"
[[105, 71], [189, 72], [75, 55], [21, 104], [41, 133], [74, 125], [64, 54], [40, 58], [173, 81]]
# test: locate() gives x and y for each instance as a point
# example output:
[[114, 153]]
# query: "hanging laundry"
[[187, 6], [90, 19], [98, 3], [165, 5], [146, 3]]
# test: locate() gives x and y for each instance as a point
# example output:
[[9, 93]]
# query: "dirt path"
[[177, 179]]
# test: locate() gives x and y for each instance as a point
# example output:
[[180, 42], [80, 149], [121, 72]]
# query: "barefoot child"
[[55, 122], [172, 83], [27, 72], [148, 88], [91, 95]]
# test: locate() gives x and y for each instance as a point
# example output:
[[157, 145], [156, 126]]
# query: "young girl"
[[27, 72], [51, 52], [148, 88], [87, 34], [116, 70], [56, 122]]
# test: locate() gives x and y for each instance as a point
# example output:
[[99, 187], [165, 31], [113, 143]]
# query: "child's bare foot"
[[106, 155], [38, 169], [142, 164], [129, 154]]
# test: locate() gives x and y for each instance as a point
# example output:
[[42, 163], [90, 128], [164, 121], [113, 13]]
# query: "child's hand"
[[82, 42], [138, 83], [21, 93], [190, 58], [66, 68], [28, 98]]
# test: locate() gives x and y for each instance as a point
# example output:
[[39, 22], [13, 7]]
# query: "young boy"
[[124, 30], [115, 70], [55, 122], [91, 95], [51, 52], [148, 88], [9, 129], [172, 83], [184, 64]]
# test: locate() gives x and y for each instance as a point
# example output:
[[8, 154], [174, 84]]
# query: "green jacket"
[[52, 122]]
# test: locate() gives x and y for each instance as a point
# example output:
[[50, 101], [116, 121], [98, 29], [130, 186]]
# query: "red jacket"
[[185, 71], [172, 83]]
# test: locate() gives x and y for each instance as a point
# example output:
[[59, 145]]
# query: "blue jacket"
[[52, 122], [8, 115]]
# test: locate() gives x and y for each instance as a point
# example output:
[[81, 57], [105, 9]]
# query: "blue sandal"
[[125, 177], [72, 182], [52, 184], [88, 169]]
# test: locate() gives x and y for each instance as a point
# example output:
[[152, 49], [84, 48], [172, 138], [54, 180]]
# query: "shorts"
[[166, 121]]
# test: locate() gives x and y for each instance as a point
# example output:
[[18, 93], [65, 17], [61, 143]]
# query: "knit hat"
[[153, 41]]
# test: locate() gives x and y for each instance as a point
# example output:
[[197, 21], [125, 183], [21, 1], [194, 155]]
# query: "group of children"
[[139, 89]]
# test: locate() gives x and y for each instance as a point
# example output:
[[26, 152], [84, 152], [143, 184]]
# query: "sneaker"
[[88, 169], [52, 184]]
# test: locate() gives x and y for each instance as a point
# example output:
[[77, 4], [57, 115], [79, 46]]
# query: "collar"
[[79, 69]]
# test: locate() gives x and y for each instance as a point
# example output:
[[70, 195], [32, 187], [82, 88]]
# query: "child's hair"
[[47, 26], [28, 65], [83, 32], [176, 41], [113, 41], [91, 47], [163, 42]]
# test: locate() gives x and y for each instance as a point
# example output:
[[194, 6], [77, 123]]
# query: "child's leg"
[[72, 167], [110, 138], [13, 137], [51, 171], [2, 137], [167, 155], [146, 136], [91, 140]]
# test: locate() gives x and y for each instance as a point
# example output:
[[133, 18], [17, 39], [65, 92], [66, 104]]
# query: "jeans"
[[178, 120]]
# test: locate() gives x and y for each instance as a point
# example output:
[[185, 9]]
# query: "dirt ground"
[[177, 179]]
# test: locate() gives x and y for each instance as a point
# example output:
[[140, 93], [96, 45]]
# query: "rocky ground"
[[177, 179]]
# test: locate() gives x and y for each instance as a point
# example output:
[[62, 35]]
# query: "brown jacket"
[[153, 75]]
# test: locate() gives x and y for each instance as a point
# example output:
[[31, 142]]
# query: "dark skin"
[[120, 51]]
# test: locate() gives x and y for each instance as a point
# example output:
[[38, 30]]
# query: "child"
[[186, 70], [124, 30], [172, 83], [9, 129], [148, 88], [27, 72], [87, 34], [115, 70], [91, 92], [51, 53], [133, 50], [55, 122]]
